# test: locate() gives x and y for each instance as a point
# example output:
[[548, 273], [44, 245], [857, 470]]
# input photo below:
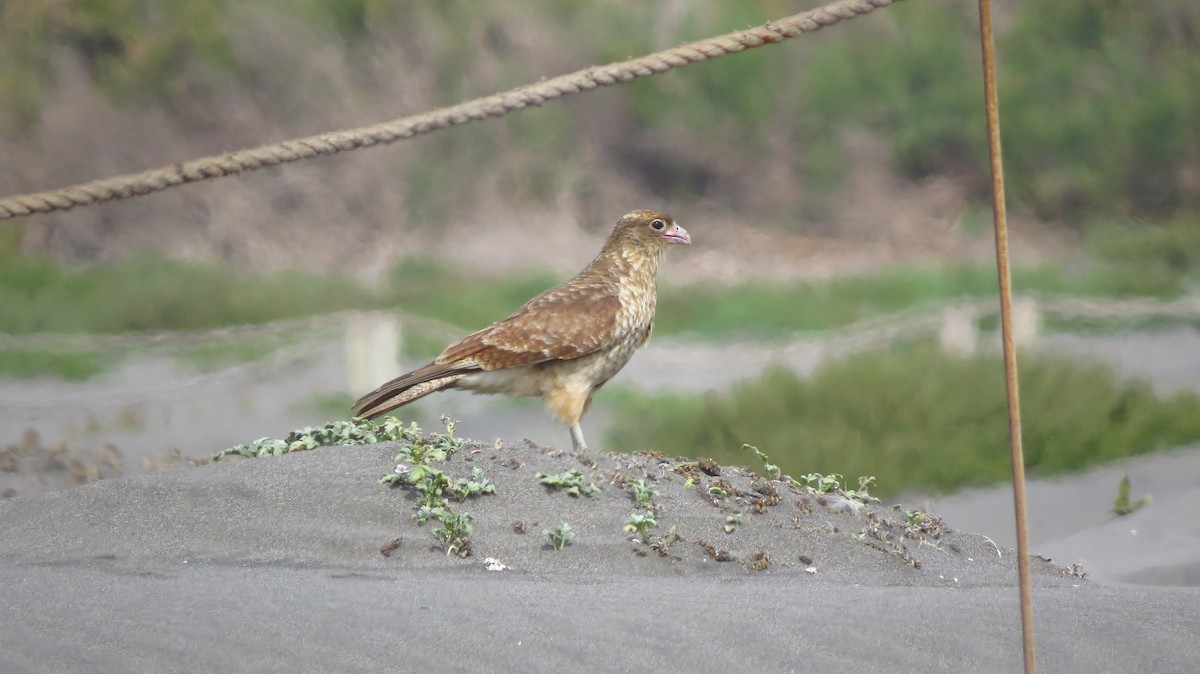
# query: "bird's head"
[[648, 230]]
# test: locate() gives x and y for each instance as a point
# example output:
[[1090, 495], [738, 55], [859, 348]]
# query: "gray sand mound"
[[336, 513], [278, 564]]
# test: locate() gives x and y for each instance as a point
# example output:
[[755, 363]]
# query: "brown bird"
[[562, 345]]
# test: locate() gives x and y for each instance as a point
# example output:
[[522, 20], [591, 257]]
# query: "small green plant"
[[421, 450], [570, 481], [671, 538], [412, 461], [822, 484], [732, 522], [1122, 505], [917, 523], [448, 437], [560, 536], [455, 531], [832, 484], [922, 526], [478, 484], [431, 483], [338, 433], [643, 492], [915, 519], [640, 523], [717, 491], [434, 485], [771, 468], [426, 513], [861, 494]]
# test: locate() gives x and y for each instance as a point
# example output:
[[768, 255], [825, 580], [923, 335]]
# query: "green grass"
[[150, 292], [914, 418], [432, 289], [222, 353], [70, 365], [778, 310], [1134, 257]]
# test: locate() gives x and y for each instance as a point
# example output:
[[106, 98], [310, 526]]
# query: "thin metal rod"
[[1010, 355]]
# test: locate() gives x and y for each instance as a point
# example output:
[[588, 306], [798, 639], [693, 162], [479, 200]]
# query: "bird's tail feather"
[[400, 392]]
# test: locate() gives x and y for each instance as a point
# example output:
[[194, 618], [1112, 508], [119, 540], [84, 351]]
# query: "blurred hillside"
[[866, 136]]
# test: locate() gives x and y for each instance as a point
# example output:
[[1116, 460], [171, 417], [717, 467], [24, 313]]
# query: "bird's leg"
[[577, 437], [568, 401]]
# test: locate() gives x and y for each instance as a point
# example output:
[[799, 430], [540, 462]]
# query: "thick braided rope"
[[496, 105]]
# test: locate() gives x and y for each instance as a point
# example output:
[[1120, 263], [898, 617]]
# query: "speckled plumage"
[[562, 345]]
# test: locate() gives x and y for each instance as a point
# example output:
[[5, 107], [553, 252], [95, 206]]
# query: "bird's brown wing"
[[564, 323]]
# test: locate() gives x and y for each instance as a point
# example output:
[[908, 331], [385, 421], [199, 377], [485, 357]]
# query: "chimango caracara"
[[562, 345]]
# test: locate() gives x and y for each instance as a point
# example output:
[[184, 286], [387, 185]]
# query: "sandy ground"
[[276, 565], [1070, 519]]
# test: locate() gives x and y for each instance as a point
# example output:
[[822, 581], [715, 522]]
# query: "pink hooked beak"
[[677, 234]]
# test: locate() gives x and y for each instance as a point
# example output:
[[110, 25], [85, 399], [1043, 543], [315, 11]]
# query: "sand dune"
[[275, 565]]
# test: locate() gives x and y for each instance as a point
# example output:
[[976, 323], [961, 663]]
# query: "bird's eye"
[[657, 224]]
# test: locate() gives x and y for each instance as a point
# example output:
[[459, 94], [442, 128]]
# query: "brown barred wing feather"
[[560, 325]]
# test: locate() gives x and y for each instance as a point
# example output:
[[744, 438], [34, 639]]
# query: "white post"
[[959, 334], [372, 350], [1027, 321]]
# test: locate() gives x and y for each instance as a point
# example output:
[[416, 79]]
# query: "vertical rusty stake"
[[1010, 355]]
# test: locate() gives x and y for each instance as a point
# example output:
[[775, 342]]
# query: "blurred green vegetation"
[[130, 47], [327, 405], [1159, 259], [436, 290], [1102, 106], [217, 354], [914, 418], [1122, 259], [149, 293], [915, 82], [68, 365], [1099, 97], [775, 311]]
